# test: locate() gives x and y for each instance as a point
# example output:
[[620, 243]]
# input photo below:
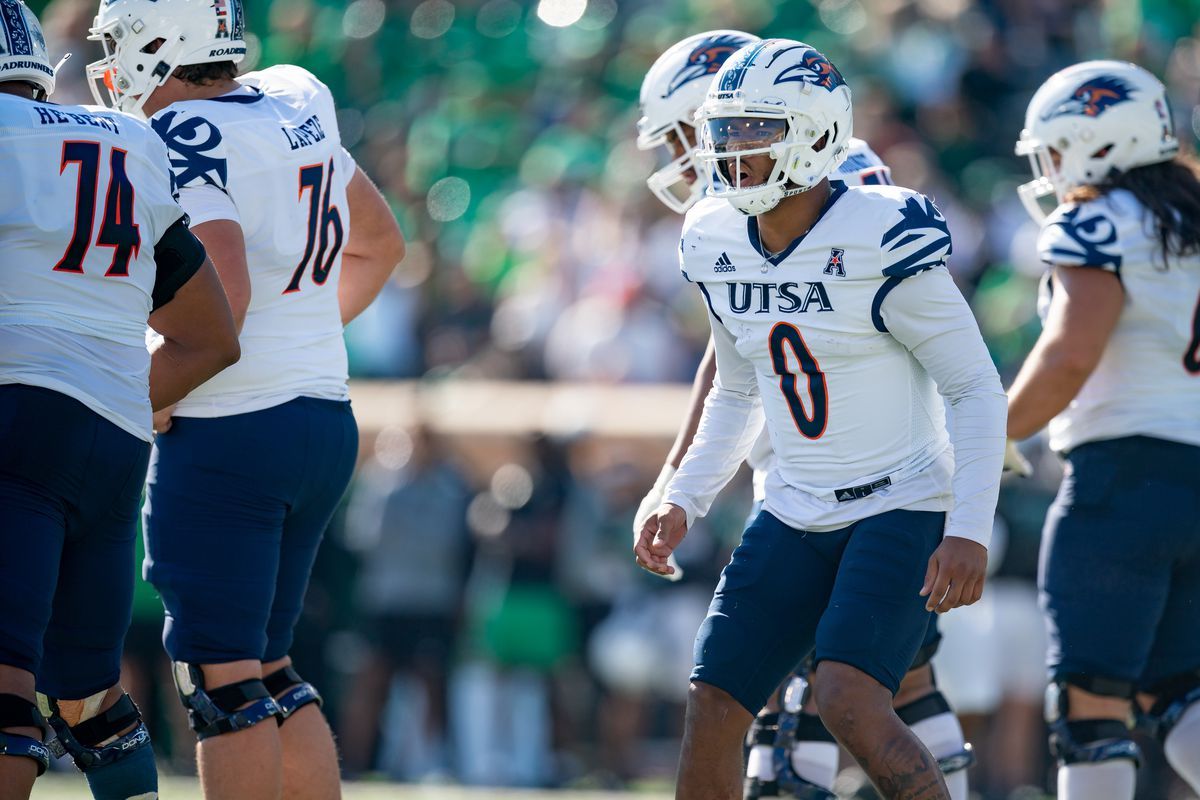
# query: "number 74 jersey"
[[269, 156], [841, 335]]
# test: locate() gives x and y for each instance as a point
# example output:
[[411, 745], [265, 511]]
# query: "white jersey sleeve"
[[1081, 236], [923, 309], [928, 315], [269, 156]]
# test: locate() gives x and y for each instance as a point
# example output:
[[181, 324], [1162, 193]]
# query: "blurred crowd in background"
[[488, 625]]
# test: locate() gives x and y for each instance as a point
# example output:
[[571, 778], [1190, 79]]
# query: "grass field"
[[67, 786]]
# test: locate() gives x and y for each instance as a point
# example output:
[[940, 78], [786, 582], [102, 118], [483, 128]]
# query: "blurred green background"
[[474, 616]]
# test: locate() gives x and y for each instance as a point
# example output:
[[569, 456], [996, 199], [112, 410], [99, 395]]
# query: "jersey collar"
[[238, 96], [838, 188]]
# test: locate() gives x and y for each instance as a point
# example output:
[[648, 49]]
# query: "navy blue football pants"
[[70, 485], [236, 508], [852, 594], [1120, 562]]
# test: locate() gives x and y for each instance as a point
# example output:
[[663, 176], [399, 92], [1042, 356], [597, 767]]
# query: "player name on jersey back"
[[52, 115], [269, 156]]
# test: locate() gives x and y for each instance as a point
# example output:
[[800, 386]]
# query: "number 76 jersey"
[[855, 419], [269, 156]]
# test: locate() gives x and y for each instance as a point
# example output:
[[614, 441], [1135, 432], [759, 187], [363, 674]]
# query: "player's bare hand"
[[660, 535], [956, 574], [162, 419]]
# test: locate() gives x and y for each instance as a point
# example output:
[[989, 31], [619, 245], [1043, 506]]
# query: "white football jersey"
[[862, 167], [269, 156], [87, 195], [840, 337], [1148, 380]]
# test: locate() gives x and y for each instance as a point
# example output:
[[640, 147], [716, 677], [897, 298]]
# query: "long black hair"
[[1170, 191]]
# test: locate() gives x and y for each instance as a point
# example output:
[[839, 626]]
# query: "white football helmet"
[[1089, 121], [779, 98], [23, 54], [192, 32], [672, 90]]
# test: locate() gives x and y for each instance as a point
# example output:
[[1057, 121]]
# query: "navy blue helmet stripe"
[[732, 80], [16, 31]]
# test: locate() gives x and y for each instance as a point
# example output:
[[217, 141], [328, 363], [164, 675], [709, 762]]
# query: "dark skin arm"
[[226, 247], [1084, 310], [199, 338]]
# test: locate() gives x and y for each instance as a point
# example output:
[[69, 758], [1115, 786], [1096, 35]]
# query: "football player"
[[250, 466], [673, 89], [1116, 376], [831, 309], [92, 245]]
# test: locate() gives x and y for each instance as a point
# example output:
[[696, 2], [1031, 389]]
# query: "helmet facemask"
[[132, 67], [1046, 181], [800, 151], [676, 182]]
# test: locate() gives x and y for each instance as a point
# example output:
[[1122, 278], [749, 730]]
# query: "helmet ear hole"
[[1102, 152], [820, 144]]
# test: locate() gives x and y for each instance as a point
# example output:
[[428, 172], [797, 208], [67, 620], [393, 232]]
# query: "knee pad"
[[217, 712], [291, 692], [17, 712], [928, 707], [795, 726], [1175, 696], [97, 741], [1088, 741]]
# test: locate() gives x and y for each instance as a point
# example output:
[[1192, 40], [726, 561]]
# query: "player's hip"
[[57, 447], [273, 453], [266, 377], [1091, 419], [921, 484]]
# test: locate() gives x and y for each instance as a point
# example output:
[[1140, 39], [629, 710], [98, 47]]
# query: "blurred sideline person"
[[82, 269], [1115, 375], [807, 755], [406, 520], [248, 469], [856, 505]]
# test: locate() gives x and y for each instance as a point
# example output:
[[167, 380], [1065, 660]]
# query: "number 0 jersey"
[[1148, 379], [87, 195], [847, 336], [269, 156], [862, 167]]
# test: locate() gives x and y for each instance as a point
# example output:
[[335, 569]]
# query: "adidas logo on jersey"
[[724, 264]]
